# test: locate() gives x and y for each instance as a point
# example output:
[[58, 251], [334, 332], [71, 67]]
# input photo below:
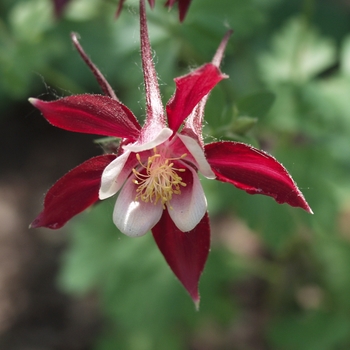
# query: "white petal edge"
[[163, 135], [113, 176], [198, 154], [189, 207], [134, 218]]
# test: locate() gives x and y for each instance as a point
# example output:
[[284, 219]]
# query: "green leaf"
[[345, 57], [243, 124], [298, 53], [255, 105], [311, 331], [333, 254], [30, 19]]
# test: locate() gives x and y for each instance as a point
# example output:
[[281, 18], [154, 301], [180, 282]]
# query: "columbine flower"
[[183, 6], [155, 168]]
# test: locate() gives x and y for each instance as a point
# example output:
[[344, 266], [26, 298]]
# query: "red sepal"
[[72, 193], [190, 89], [254, 171], [185, 252], [193, 124], [90, 114]]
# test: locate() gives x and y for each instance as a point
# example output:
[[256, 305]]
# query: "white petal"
[[114, 175], [159, 139], [134, 218], [189, 207], [198, 154]]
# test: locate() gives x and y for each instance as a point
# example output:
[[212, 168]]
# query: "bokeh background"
[[277, 278]]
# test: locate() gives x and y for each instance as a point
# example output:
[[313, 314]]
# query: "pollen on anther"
[[158, 179]]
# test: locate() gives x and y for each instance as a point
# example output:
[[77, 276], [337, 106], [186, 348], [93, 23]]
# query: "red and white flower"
[[155, 170]]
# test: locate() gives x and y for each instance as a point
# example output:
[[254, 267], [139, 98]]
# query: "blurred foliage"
[[288, 93]]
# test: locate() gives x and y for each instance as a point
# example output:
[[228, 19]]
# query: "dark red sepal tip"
[[185, 252], [72, 193]]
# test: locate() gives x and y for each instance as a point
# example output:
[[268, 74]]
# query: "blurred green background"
[[276, 278]]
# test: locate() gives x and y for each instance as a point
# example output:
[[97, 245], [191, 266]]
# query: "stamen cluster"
[[159, 180]]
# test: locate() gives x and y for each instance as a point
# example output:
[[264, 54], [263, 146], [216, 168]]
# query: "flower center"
[[159, 181]]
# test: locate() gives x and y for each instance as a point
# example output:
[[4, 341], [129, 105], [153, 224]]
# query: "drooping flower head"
[[155, 170]]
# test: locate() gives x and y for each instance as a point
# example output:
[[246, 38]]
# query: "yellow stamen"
[[160, 180]]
